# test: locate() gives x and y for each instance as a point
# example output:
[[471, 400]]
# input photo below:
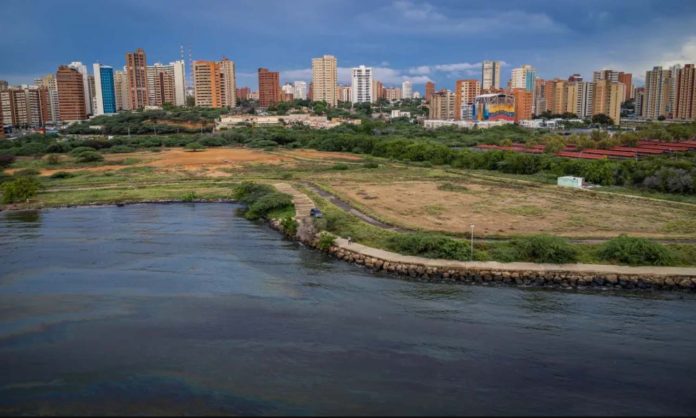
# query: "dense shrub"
[[340, 166], [431, 246], [326, 240], [62, 175], [6, 160], [194, 146], [26, 172], [289, 225], [89, 157], [635, 251], [79, 150], [544, 249], [120, 149], [261, 199], [189, 197], [20, 189], [371, 164]]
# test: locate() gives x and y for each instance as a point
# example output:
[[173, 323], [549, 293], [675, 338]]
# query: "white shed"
[[570, 181]]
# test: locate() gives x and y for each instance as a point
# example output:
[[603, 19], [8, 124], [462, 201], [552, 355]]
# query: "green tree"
[[20, 189]]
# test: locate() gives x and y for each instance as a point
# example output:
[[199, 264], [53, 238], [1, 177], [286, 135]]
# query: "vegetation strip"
[[555, 275]]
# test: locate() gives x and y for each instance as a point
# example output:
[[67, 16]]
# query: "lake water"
[[187, 308]]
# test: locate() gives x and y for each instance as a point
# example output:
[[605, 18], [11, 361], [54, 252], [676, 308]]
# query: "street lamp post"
[[472, 243]]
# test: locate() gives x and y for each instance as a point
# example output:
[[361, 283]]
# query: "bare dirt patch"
[[498, 208]]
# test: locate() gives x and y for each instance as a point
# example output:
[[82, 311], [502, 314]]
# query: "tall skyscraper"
[[616, 77], [429, 90], [25, 106], [136, 69], [269, 87], [49, 81], [71, 94], [300, 91], [406, 90], [685, 107], [215, 83], [490, 75], [325, 80], [122, 90], [523, 78], [523, 104], [82, 69], [377, 91], [580, 98], [243, 93], [627, 80], [465, 91], [658, 89], [361, 86], [442, 105], [608, 96], [104, 90]]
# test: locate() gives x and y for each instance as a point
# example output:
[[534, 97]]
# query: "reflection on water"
[[185, 309]]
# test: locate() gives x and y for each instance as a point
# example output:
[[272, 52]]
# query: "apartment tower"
[[269, 87], [465, 92], [71, 94], [490, 75], [136, 70], [361, 85], [325, 80]]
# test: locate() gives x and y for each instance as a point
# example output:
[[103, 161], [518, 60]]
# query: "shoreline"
[[565, 276], [556, 276]]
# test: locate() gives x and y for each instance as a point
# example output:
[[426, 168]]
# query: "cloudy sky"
[[438, 40]]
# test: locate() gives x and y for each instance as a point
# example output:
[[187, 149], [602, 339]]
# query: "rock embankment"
[[568, 276]]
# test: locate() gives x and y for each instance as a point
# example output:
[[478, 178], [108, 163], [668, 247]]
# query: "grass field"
[[415, 196]]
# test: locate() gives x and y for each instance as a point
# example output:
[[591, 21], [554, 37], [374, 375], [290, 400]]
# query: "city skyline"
[[401, 40]]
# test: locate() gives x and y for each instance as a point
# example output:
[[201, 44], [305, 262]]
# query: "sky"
[[436, 40]]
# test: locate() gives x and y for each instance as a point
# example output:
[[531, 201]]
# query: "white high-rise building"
[[300, 90], [523, 78], [82, 69], [179, 82], [49, 81], [406, 90], [361, 86], [416, 95], [490, 77], [288, 88]]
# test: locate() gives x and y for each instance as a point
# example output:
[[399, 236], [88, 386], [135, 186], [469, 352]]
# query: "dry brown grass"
[[505, 209]]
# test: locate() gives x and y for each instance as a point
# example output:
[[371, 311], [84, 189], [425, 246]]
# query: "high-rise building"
[[539, 105], [122, 90], [608, 96], [465, 92], [288, 92], [49, 81], [523, 104], [25, 106], [575, 77], [344, 94], [627, 80], [4, 85], [361, 86], [523, 78], [580, 98], [490, 75], [228, 83], [136, 69], [377, 91], [429, 90], [610, 75], [555, 96], [392, 93], [658, 89], [325, 80], [639, 95], [243, 93], [71, 94], [300, 91], [82, 69], [104, 90], [215, 83], [685, 107], [406, 90], [442, 105], [269, 87]]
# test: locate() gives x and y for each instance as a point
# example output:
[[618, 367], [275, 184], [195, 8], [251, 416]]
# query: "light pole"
[[472, 243]]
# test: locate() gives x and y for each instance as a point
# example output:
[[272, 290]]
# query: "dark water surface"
[[188, 309]]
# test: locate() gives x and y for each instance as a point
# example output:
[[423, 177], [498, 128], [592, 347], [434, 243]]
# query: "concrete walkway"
[[303, 204]]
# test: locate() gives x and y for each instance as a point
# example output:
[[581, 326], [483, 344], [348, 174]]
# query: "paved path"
[[303, 204]]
